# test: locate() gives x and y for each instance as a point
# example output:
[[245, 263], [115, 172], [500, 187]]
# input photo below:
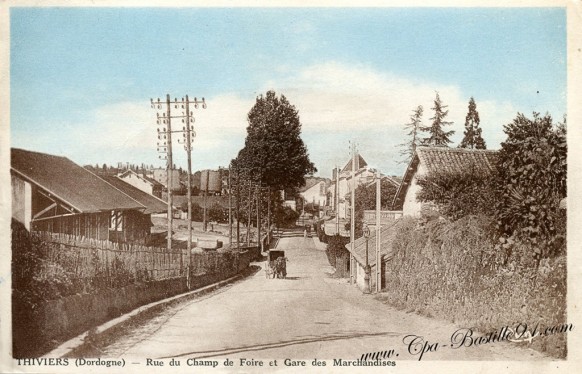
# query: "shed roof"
[[152, 204], [69, 182], [152, 181], [387, 234]]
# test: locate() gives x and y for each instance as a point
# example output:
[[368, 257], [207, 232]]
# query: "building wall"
[[161, 176], [21, 201], [345, 185], [136, 227], [411, 207], [360, 277], [315, 194], [138, 183]]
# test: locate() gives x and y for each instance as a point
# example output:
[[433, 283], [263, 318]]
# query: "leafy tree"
[[197, 211], [217, 213], [472, 138], [437, 136], [532, 180], [413, 126], [274, 153]]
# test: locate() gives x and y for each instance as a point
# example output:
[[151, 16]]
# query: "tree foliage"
[[459, 194], [413, 128], [472, 136], [437, 136], [532, 179], [274, 153]]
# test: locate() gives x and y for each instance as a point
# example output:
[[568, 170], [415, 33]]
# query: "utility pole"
[[378, 235], [204, 223], [249, 217], [165, 146], [337, 171], [258, 198], [237, 209], [353, 216], [269, 214], [229, 209]]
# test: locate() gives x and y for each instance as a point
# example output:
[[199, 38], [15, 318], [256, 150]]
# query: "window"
[[116, 221]]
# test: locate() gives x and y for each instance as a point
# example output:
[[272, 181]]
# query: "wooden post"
[[378, 235], [353, 217]]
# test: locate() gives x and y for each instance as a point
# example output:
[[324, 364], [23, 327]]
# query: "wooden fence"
[[85, 258]]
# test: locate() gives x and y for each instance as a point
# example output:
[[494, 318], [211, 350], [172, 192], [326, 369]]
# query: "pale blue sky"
[[81, 78]]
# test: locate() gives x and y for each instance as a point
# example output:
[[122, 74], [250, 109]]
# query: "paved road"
[[308, 315]]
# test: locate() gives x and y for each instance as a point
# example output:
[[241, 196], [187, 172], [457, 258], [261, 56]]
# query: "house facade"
[[53, 194], [315, 191], [341, 185], [142, 182], [428, 160]]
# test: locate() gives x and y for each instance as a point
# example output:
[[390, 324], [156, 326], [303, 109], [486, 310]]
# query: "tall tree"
[[472, 138], [274, 153], [437, 136], [413, 126]]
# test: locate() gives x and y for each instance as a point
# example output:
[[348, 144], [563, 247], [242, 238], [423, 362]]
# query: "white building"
[[342, 184], [142, 182]]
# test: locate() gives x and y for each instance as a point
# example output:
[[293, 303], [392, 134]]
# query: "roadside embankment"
[[452, 271]]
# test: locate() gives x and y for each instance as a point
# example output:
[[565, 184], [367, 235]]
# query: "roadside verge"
[[78, 344]]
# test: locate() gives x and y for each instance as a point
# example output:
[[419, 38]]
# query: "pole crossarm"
[[164, 146]]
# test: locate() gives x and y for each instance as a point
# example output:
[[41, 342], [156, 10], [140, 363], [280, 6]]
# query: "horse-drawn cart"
[[276, 265]]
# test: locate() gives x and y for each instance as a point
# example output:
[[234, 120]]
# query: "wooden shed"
[[52, 193]]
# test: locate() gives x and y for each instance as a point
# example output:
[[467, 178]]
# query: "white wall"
[[314, 194], [21, 201], [412, 207], [138, 183]]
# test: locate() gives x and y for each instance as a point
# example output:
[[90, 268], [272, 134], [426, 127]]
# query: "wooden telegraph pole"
[[378, 235], [164, 123], [353, 217]]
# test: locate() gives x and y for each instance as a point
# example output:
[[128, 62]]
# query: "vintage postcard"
[[251, 187]]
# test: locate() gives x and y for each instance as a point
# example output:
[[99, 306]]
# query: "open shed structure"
[[53, 194]]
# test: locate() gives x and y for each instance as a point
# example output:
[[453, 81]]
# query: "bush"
[[336, 247], [532, 179], [453, 271], [285, 217], [217, 213], [459, 194]]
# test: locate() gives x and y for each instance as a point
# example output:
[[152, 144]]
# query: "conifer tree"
[[413, 126], [437, 136], [472, 138]]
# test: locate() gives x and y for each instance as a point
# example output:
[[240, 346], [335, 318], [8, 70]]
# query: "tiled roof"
[[444, 159], [69, 182], [152, 204]]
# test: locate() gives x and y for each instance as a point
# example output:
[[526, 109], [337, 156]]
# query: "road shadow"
[[295, 278], [279, 344]]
